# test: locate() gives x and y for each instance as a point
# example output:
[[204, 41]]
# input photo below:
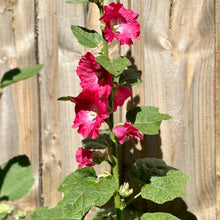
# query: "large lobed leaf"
[[86, 37], [81, 191], [16, 178], [102, 142], [17, 74], [116, 67], [143, 169], [158, 216], [166, 188], [146, 119]]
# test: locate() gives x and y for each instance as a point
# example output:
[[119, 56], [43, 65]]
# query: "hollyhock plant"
[[120, 96], [101, 79], [120, 24], [127, 130], [84, 157], [92, 74], [91, 110]]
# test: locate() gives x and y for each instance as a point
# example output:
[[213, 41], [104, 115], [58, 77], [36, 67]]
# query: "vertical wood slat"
[[217, 92], [19, 119], [179, 62], [50, 112]]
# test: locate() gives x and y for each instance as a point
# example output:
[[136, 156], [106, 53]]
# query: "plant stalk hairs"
[[105, 87]]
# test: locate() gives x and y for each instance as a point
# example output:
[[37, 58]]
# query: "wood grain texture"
[[50, 111], [180, 79], [19, 117], [217, 92]]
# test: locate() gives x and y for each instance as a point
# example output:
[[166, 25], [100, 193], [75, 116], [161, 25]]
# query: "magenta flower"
[[127, 130], [92, 74], [120, 24], [120, 96], [91, 110], [84, 157]]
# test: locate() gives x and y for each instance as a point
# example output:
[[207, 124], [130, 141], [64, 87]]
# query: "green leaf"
[[16, 178], [77, 1], [166, 188], [108, 213], [5, 211], [146, 119], [116, 67], [129, 77], [65, 98], [87, 38], [143, 169], [102, 142], [81, 191], [158, 216], [17, 74]]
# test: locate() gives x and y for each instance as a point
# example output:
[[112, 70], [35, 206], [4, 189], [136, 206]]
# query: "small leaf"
[[166, 188], [102, 142], [116, 67], [5, 211], [17, 74], [87, 38], [146, 119], [77, 1], [65, 98], [158, 216], [143, 169], [129, 77], [16, 178]]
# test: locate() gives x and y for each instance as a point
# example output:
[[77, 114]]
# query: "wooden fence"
[[179, 55]]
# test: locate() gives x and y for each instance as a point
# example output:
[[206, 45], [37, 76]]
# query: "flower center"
[[115, 28]]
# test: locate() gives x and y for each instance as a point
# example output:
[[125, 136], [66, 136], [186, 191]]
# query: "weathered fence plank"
[[19, 117], [180, 79], [217, 97], [50, 112]]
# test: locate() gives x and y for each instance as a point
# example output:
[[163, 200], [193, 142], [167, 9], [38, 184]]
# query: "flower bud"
[[98, 156], [124, 190]]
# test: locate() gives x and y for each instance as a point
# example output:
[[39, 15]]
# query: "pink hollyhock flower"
[[120, 96], [127, 130], [120, 23], [84, 157], [91, 110], [92, 74]]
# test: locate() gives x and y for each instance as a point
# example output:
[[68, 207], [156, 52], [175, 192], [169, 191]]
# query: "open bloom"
[[84, 157], [127, 130], [92, 74], [91, 110], [120, 96], [120, 24]]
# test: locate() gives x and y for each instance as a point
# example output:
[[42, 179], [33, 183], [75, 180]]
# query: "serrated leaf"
[[146, 119], [158, 216], [81, 191], [5, 211], [77, 1], [108, 213], [143, 169], [129, 77], [16, 178], [17, 74], [102, 142], [116, 67], [86, 37], [166, 188], [65, 98]]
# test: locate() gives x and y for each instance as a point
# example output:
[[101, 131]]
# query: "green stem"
[[131, 200]]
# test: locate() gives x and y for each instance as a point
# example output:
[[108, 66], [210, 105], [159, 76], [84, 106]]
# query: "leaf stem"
[[131, 200]]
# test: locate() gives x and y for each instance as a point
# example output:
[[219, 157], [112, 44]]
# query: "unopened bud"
[[98, 156], [124, 190]]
